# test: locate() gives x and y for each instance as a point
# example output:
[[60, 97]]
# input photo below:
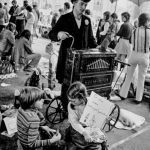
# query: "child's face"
[[76, 102], [39, 104]]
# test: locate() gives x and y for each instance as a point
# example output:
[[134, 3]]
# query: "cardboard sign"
[[96, 111], [11, 124]]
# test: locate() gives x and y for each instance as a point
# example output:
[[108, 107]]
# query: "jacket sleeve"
[[59, 26], [11, 11]]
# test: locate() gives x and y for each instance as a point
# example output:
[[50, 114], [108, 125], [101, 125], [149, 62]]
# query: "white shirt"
[[106, 27], [74, 117]]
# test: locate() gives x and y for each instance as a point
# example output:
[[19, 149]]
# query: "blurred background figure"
[[36, 13], [12, 10], [66, 7], [30, 20], [61, 11], [6, 8], [2, 14], [54, 19], [136, 24]]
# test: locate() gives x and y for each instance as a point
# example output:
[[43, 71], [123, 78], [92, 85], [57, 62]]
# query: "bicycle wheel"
[[54, 111]]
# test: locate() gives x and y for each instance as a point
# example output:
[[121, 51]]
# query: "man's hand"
[[63, 35]]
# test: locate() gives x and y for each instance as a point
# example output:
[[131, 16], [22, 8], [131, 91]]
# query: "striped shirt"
[[141, 40], [28, 124]]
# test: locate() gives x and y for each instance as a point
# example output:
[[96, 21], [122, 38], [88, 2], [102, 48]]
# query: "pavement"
[[137, 139]]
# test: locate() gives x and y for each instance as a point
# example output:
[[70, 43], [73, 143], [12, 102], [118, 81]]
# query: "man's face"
[[80, 6]]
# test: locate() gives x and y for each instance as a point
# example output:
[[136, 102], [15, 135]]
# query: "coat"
[[83, 38]]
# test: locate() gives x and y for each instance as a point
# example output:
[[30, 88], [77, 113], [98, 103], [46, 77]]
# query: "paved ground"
[[137, 139]]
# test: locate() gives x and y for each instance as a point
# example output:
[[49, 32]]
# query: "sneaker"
[[115, 98], [137, 102]]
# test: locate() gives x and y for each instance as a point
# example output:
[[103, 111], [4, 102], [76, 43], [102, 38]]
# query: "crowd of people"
[[131, 42], [17, 28]]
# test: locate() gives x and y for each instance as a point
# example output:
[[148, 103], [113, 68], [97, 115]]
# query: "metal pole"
[[116, 5]]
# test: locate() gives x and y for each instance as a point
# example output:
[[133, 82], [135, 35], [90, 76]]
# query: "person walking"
[[139, 57]]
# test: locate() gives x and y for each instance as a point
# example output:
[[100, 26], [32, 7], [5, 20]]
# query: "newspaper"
[[96, 111]]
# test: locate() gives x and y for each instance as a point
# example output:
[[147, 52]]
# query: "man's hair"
[[126, 15], [143, 18], [86, 1], [29, 95], [14, 1], [67, 5]]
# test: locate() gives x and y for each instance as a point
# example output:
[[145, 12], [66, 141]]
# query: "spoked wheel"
[[112, 119], [55, 111]]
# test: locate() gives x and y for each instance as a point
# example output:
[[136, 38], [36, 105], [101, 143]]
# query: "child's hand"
[[48, 130], [49, 92], [56, 137], [87, 137]]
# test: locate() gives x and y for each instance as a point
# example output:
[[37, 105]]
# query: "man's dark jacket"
[[83, 38]]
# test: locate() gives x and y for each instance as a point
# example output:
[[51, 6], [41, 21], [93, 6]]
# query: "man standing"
[[12, 10], [78, 26]]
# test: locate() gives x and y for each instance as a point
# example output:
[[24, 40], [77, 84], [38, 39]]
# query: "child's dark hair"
[[29, 95], [126, 15], [107, 14], [143, 18], [26, 34], [77, 90]]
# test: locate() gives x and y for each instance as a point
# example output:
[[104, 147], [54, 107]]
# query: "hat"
[[14, 1]]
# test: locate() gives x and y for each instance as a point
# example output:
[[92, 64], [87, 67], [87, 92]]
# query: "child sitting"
[[80, 138], [28, 120]]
